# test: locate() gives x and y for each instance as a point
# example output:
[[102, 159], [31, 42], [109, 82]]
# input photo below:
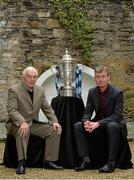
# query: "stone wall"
[[31, 35], [113, 39]]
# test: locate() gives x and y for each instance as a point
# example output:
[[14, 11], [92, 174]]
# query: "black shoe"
[[107, 169], [51, 165], [21, 167], [85, 164]]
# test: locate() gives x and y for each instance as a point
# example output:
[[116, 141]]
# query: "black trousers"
[[108, 140]]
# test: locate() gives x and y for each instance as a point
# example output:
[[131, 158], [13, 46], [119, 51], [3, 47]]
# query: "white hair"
[[24, 72]]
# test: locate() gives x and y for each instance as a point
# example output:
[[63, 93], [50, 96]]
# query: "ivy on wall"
[[73, 16]]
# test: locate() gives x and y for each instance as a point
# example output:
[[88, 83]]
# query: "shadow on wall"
[[47, 80]]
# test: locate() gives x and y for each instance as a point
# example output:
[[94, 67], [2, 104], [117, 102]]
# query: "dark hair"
[[102, 68]]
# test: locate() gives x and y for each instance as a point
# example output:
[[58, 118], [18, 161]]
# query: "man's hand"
[[57, 128], [24, 129], [90, 126], [86, 125]]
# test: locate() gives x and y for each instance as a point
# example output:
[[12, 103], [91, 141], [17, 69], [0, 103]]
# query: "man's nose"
[[101, 78]]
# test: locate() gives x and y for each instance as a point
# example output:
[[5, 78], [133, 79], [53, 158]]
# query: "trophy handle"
[[53, 69], [81, 66]]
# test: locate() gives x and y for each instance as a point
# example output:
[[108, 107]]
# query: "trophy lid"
[[66, 57]]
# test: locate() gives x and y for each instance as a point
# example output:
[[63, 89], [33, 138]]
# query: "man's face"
[[30, 78], [102, 79]]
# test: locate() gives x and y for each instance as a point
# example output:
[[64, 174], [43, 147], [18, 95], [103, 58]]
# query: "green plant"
[[129, 104], [73, 16]]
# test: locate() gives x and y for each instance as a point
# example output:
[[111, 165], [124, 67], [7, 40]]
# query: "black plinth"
[[35, 153], [68, 111]]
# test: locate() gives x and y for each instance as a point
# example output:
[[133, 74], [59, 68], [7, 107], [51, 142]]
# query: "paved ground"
[[130, 126], [66, 174]]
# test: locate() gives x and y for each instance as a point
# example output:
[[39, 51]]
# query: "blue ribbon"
[[58, 80], [78, 81]]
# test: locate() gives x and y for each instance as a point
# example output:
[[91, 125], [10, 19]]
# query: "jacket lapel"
[[96, 98], [109, 95], [25, 94], [35, 96]]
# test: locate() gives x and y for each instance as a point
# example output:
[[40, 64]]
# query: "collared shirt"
[[102, 102]]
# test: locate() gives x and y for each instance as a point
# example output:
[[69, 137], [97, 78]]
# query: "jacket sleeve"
[[117, 114], [47, 110], [89, 108], [12, 107]]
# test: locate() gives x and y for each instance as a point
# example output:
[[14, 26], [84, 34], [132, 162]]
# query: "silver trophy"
[[67, 74]]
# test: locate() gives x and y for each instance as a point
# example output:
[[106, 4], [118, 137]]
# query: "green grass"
[[37, 173]]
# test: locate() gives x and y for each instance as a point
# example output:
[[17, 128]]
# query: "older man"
[[24, 102]]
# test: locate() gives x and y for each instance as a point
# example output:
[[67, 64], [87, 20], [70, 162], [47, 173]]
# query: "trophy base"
[[67, 91]]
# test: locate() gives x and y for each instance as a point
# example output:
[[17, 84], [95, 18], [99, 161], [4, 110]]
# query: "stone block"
[[58, 33], [52, 23], [43, 14], [37, 41]]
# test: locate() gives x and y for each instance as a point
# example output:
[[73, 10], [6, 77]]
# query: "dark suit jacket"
[[113, 107]]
